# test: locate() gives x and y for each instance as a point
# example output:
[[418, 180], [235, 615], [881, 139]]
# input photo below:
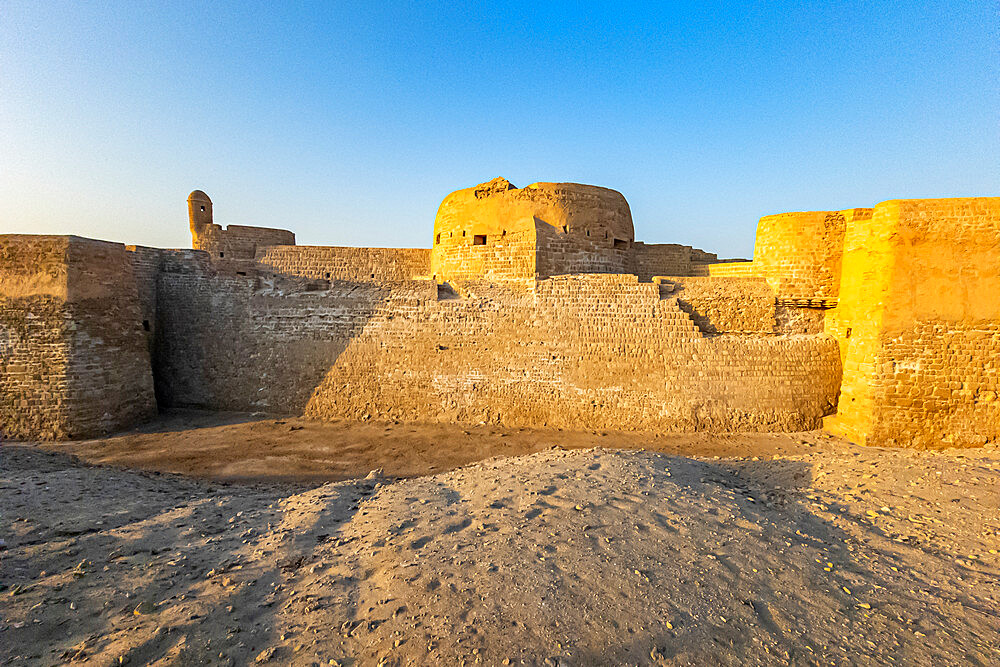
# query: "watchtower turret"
[[199, 214]]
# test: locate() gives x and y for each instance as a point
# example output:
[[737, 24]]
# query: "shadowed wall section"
[[590, 351], [74, 361], [340, 263]]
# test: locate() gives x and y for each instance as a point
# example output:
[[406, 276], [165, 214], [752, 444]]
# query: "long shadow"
[[731, 555], [159, 569], [852, 580], [253, 343]]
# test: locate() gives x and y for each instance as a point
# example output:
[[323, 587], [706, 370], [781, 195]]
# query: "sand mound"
[[582, 557]]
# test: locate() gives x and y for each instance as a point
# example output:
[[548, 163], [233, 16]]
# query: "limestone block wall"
[[667, 259], [229, 342], [343, 263], [800, 253], [660, 259], [237, 242], [591, 351], [74, 360], [725, 305], [577, 250], [505, 257], [738, 269], [796, 320], [146, 263], [34, 350], [918, 322]]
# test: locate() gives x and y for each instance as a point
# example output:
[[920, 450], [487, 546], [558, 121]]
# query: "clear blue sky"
[[349, 122]]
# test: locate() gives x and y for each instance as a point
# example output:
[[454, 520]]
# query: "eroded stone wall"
[[667, 259], [549, 228], [342, 263], [597, 351], [507, 257], [578, 250], [238, 242], [725, 305], [917, 321], [800, 253], [74, 361], [736, 269]]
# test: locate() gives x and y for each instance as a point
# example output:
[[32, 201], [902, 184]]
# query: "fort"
[[533, 306]]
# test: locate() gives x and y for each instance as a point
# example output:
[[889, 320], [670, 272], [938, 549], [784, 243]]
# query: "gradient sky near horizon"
[[348, 122]]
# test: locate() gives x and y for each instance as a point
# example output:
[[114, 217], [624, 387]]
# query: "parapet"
[[234, 243]]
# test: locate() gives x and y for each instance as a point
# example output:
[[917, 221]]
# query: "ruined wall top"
[[498, 205], [235, 242]]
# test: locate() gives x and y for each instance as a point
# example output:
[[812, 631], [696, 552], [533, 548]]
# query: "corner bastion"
[[533, 306], [74, 360]]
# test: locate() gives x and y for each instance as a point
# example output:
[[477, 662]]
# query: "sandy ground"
[[790, 549], [238, 447]]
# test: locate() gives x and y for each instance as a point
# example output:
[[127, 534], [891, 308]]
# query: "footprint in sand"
[[455, 527], [420, 542]]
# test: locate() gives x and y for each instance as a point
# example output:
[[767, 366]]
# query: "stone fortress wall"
[[341, 263], [236, 243], [534, 306], [74, 358], [918, 324]]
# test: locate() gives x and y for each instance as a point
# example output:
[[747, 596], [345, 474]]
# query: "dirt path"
[[821, 556]]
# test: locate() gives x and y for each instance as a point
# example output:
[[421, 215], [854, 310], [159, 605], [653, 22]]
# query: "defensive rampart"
[[534, 307], [919, 324], [73, 358], [599, 351], [351, 264]]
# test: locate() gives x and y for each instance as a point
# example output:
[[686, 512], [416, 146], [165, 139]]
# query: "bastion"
[[533, 306]]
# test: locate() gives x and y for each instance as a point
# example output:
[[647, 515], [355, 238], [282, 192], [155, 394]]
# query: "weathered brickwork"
[[561, 252], [725, 305], [236, 243], [799, 253], [667, 259], [507, 257], [600, 351], [939, 386], [917, 320], [340, 263], [146, 266], [795, 320], [737, 269], [546, 229], [73, 358]]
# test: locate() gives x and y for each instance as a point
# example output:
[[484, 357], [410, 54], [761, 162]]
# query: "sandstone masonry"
[[533, 306]]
